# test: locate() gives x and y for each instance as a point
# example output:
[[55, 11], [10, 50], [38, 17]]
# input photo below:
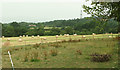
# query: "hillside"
[[80, 26]]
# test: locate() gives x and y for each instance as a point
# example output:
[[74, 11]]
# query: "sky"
[[40, 10]]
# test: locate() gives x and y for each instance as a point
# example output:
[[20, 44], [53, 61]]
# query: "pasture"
[[60, 52]]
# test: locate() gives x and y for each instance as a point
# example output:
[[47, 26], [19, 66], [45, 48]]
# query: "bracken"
[[100, 57]]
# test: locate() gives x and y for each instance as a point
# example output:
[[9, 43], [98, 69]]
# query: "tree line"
[[82, 26]]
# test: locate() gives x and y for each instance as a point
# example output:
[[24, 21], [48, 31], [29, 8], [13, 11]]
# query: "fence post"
[[11, 60]]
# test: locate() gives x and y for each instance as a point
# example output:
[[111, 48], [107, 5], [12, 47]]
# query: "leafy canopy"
[[104, 10]]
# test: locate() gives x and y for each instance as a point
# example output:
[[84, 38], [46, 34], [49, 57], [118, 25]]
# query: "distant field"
[[69, 53], [14, 41], [51, 27]]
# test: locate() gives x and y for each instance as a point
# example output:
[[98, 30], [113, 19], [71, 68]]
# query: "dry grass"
[[79, 52], [65, 56], [28, 40], [7, 43], [53, 52]]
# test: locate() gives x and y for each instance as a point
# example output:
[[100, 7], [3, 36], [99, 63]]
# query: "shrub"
[[100, 57], [53, 52]]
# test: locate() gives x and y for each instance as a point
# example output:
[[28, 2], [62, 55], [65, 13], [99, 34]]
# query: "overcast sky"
[[41, 10]]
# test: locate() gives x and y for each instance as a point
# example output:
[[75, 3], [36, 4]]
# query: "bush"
[[100, 57]]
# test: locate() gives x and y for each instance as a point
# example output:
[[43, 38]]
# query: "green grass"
[[66, 54]]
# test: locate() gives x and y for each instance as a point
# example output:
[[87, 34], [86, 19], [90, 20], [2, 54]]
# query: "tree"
[[31, 32], [55, 31], [40, 30], [80, 26], [8, 31], [69, 30], [104, 10]]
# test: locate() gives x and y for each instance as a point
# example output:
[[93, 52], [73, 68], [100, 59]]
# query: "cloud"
[[41, 10], [43, 1]]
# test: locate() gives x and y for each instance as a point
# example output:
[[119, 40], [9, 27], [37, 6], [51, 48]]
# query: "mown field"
[[67, 52], [14, 41]]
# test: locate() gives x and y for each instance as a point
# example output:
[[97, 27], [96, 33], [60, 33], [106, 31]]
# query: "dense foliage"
[[104, 10], [79, 26]]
